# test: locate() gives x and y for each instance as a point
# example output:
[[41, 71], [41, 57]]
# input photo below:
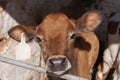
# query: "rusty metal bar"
[[37, 68]]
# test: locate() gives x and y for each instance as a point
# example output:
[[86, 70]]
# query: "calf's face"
[[56, 36]]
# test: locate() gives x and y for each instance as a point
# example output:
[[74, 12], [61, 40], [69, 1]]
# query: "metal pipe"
[[38, 69]]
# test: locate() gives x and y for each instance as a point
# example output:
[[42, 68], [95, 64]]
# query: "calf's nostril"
[[51, 63], [64, 61]]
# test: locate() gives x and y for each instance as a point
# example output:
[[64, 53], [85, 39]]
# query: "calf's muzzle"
[[58, 64]]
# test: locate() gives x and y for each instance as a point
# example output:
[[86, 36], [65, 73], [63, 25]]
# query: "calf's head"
[[56, 36]]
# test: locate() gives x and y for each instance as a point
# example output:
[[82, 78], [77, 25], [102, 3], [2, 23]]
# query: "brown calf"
[[68, 46]]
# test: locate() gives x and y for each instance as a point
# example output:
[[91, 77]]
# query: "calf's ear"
[[89, 21], [28, 31]]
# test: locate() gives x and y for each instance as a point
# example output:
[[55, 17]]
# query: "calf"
[[68, 46], [112, 53]]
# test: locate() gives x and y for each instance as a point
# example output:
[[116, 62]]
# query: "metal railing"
[[38, 69]]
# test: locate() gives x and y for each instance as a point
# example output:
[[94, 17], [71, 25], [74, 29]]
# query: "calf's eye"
[[73, 36], [38, 39]]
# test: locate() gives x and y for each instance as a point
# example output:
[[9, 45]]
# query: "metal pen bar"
[[37, 69]]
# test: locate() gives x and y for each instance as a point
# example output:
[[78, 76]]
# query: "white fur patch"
[[114, 50], [4, 77], [100, 75], [107, 61]]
